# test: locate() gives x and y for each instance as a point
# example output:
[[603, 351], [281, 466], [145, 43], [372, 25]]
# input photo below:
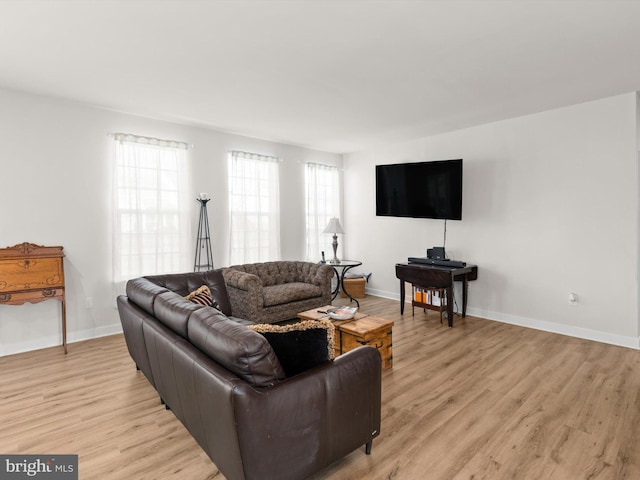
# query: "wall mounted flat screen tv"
[[420, 190]]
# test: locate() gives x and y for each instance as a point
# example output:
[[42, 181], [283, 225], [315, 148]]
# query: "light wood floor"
[[483, 400]]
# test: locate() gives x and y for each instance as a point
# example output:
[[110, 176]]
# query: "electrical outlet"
[[88, 302], [573, 299]]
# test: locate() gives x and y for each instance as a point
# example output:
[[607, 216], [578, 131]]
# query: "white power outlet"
[[88, 302], [573, 299]]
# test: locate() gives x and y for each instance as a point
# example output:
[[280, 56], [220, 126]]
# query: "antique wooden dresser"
[[33, 273]]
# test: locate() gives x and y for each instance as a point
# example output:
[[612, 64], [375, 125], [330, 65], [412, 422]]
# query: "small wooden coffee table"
[[360, 330]]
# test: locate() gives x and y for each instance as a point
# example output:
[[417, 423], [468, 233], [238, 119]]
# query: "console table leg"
[[401, 297], [450, 305], [64, 325], [465, 284]]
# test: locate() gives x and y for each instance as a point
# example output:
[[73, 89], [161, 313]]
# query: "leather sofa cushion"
[[174, 311], [185, 283], [289, 292], [240, 350], [241, 321], [143, 293]]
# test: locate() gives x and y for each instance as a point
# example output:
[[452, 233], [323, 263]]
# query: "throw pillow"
[[300, 346], [202, 296]]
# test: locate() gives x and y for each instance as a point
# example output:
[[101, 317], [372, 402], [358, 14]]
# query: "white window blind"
[[151, 217], [322, 187], [254, 204]]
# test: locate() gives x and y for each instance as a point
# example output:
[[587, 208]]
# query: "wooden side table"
[[33, 273], [362, 329], [372, 331]]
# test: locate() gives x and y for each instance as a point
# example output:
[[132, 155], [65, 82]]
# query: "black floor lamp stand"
[[204, 257]]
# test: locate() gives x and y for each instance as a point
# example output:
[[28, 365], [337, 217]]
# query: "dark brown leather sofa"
[[225, 384]]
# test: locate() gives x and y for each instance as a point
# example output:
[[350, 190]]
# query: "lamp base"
[[335, 258]]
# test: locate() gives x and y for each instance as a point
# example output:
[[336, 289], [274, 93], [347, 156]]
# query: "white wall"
[[550, 206], [55, 159]]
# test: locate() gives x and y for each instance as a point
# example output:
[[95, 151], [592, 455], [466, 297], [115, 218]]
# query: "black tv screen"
[[420, 190]]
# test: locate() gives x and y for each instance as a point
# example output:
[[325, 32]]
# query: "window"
[[322, 186], [254, 208], [151, 218]]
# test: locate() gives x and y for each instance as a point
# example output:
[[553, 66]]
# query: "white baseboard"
[[552, 327], [56, 340], [569, 330], [95, 332], [383, 294]]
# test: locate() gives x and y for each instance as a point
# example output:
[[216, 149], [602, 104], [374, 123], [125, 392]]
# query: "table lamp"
[[334, 227]]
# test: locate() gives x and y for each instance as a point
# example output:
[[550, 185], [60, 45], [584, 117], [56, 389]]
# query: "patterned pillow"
[[202, 296], [301, 345]]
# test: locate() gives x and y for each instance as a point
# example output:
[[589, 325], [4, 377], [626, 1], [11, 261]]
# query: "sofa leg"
[[137, 368], [367, 447]]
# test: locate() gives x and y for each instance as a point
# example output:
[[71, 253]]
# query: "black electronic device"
[[436, 262], [420, 190], [437, 253]]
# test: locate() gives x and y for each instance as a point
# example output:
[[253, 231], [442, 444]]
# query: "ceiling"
[[337, 76]]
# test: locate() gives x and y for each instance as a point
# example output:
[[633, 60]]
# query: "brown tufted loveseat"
[[271, 292]]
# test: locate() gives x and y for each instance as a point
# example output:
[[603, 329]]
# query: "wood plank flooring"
[[483, 400]]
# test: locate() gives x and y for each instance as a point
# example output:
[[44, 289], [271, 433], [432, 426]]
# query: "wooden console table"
[[33, 273], [436, 276]]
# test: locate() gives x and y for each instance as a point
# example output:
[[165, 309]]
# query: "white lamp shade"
[[333, 226]]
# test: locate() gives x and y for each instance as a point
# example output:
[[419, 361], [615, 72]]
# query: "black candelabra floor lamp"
[[204, 257]]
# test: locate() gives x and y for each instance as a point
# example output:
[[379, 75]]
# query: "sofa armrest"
[[241, 280], [245, 293], [323, 276], [308, 421]]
